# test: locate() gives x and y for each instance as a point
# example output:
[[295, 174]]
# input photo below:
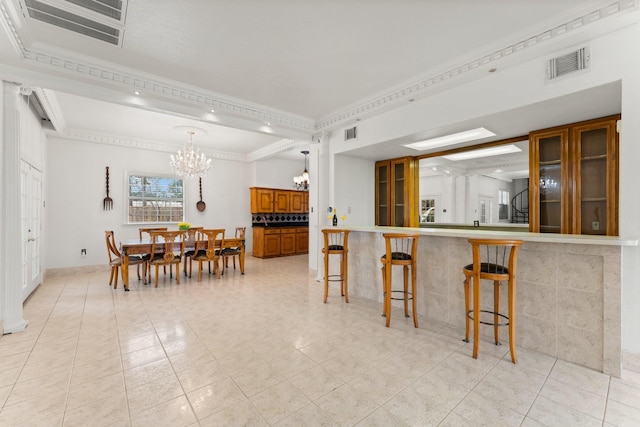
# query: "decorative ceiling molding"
[[110, 75], [99, 138], [50, 105], [77, 67], [169, 90], [413, 90], [275, 148]]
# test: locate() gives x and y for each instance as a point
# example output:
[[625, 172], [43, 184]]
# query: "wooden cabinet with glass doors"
[[396, 188], [574, 178]]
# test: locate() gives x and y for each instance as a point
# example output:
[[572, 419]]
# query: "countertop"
[[579, 239]]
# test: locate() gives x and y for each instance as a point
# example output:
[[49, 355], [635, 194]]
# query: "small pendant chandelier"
[[190, 162], [302, 182]]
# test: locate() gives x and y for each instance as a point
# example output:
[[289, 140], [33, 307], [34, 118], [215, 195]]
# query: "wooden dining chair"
[[190, 248], [208, 249], [115, 259], [144, 232], [234, 251], [167, 248]]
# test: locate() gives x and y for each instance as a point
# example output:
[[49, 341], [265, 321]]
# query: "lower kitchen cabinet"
[[280, 241]]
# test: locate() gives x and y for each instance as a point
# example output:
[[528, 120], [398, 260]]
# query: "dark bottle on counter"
[[335, 218]]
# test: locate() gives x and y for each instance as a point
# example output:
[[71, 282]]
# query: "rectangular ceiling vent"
[[72, 18], [569, 63], [351, 133]]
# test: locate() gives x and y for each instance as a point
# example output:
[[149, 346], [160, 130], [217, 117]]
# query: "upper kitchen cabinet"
[[272, 200], [574, 178], [396, 192], [261, 200]]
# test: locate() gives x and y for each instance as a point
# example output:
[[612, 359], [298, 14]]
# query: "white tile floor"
[[262, 349]]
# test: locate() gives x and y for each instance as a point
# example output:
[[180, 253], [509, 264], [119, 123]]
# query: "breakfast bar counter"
[[568, 287]]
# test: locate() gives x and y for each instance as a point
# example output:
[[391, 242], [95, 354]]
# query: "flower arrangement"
[[184, 225]]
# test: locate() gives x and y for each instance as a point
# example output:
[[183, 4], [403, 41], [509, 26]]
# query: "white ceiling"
[[309, 60]]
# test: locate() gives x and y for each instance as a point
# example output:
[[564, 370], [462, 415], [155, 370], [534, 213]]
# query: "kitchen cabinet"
[[271, 200], [287, 241], [261, 200], [281, 201], [396, 192], [574, 178], [302, 240], [266, 242], [280, 241], [298, 202]]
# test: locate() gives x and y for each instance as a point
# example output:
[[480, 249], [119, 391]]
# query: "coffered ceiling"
[[260, 77]]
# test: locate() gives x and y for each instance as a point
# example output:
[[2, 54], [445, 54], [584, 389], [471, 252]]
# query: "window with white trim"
[[154, 199]]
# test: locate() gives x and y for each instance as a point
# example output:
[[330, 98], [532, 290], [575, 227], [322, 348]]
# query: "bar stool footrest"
[[470, 316], [334, 278], [408, 298]]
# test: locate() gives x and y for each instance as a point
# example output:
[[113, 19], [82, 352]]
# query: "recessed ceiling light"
[[267, 123], [135, 92], [454, 138], [483, 152], [212, 110]]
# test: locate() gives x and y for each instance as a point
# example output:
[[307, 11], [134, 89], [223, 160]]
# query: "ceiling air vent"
[[574, 61], [71, 17], [351, 133]]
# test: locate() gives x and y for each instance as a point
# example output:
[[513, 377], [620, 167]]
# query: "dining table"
[[143, 246]]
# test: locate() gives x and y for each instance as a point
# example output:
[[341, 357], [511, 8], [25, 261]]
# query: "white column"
[[11, 239], [325, 192]]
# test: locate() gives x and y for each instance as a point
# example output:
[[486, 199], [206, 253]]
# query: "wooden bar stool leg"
[[405, 271], [512, 318], [388, 293], [326, 276], [341, 276], [384, 291], [496, 311], [345, 277], [466, 308], [413, 296], [476, 315]]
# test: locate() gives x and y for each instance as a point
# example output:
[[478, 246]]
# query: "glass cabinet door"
[[382, 193], [398, 194], [549, 174], [596, 170]]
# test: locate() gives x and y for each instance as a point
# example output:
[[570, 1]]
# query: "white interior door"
[[31, 214], [485, 209]]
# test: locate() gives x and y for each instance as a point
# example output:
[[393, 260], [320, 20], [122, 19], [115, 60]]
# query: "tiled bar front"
[[568, 294]]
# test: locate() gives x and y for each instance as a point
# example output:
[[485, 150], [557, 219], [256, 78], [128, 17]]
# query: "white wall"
[[353, 175], [76, 187], [278, 173]]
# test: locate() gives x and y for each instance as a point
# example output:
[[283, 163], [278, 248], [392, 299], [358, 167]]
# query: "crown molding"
[[140, 144], [51, 107], [415, 89], [76, 67], [275, 148], [173, 91]]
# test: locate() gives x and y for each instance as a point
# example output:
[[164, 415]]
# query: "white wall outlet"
[[595, 225]]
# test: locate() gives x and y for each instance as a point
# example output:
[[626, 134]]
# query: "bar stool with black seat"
[[493, 259], [400, 249], [336, 243]]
